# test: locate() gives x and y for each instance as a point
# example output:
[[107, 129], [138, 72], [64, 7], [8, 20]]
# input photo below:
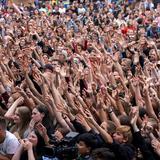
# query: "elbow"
[[8, 117]]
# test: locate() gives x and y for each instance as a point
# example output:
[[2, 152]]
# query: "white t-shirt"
[[62, 10], [10, 144]]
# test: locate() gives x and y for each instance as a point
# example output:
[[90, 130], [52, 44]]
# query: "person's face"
[[61, 57], [94, 86], [22, 42], [39, 30], [18, 32], [142, 32], [82, 148], [125, 65], [36, 12], [79, 48], [36, 115], [153, 56], [131, 35], [45, 59], [154, 24], [118, 137], [33, 138], [16, 117], [142, 41]]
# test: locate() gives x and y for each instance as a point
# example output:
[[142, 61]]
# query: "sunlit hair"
[[126, 132]]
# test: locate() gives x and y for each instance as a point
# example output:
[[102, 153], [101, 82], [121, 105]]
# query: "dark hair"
[[38, 149], [103, 154], [142, 112], [40, 145], [43, 109], [48, 66], [89, 139], [46, 121], [124, 120], [3, 123]]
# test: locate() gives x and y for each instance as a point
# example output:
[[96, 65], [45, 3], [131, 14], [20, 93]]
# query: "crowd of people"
[[80, 80]]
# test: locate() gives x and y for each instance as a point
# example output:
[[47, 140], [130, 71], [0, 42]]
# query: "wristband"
[[110, 111]]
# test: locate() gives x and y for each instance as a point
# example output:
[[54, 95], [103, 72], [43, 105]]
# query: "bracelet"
[[110, 111]]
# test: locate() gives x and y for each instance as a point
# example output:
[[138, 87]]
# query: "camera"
[[65, 149]]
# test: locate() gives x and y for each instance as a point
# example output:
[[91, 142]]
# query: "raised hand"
[[89, 116], [134, 115], [27, 145], [38, 79], [41, 129], [156, 146]]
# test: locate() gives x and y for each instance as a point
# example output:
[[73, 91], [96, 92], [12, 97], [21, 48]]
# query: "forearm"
[[2, 157], [31, 154], [82, 102], [60, 120], [70, 100], [107, 137], [59, 117], [11, 75], [18, 153], [146, 72], [3, 80], [120, 107], [120, 71], [28, 102], [102, 115], [157, 52], [113, 102], [36, 63], [138, 96], [111, 78], [55, 95], [57, 80], [149, 107], [31, 86], [16, 8], [70, 124], [114, 118], [36, 100], [12, 109], [50, 109], [4, 67]]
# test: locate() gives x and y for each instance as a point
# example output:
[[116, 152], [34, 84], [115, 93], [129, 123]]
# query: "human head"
[[40, 114], [103, 154], [38, 142], [22, 116], [153, 55], [48, 68], [86, 143], [123, 134]]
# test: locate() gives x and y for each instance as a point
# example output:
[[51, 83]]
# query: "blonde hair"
[[126, 132]]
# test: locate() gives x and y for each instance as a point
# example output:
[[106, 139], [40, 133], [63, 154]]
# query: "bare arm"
[[9, 114]]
